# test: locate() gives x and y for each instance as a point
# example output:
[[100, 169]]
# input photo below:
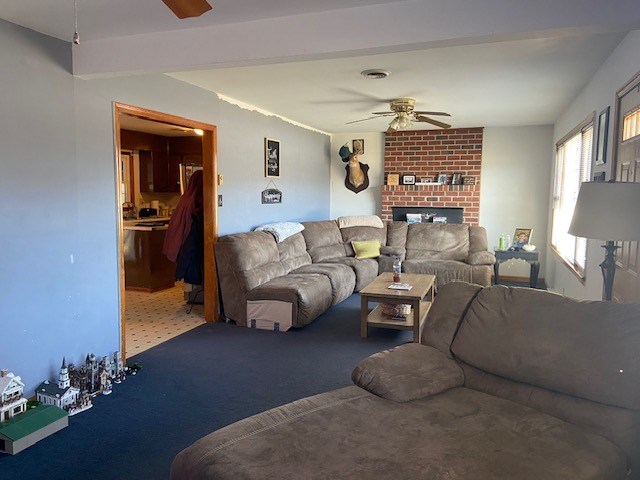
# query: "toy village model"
[[23, 423]]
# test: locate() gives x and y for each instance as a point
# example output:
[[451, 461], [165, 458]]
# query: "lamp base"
[[608, 268]]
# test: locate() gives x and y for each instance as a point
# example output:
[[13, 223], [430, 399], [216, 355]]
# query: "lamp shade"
[[608, 211]]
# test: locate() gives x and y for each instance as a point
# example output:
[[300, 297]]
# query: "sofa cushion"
[[438, 242], [350, 433], [445, 270], [359, 234], [581, 348], [619, 425], [407, 372], [397, 234], [310, 295], [341, 277], [359, 221], [446, 314], [366, 269], [293, 253], [324, 240]]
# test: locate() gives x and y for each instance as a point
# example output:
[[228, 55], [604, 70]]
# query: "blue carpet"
[[194, 384]]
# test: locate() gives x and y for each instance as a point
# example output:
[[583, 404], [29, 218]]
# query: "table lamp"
[[608, 211]]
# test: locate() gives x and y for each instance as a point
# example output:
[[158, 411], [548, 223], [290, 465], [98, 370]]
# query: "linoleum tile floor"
[[154, 318]]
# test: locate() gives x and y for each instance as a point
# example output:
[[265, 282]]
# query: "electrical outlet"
[[219, 200]]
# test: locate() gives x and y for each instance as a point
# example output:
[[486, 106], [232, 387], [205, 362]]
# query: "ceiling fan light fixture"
[[375, 73], [395, 124]]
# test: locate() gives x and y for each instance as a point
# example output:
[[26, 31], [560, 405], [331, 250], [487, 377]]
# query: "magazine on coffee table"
[[400, 286]]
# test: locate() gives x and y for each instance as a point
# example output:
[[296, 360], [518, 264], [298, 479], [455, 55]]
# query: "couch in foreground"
[[298, 279], [508, 383]]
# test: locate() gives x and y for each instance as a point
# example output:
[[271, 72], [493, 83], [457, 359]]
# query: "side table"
[[530, 257]]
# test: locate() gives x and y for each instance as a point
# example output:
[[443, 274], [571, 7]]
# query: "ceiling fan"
[[405, 115], [188, 8]]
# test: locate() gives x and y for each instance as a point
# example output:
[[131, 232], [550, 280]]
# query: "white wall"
[[598, 93], [514, 187], [343, 200], [58, 247]]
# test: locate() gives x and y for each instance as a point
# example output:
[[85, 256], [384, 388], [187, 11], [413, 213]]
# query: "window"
[[573, 166], [631, 125]]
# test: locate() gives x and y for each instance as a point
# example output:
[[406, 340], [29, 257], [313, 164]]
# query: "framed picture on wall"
[[601, 141], [357, 145], [272, 165]]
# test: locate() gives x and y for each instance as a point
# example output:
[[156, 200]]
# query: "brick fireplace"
[[426, 154]]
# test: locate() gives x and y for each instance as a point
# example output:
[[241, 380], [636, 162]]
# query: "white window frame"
[[563, 202]]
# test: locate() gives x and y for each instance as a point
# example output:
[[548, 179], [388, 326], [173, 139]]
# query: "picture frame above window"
[[408, 179], [602, 136], [272, 165]]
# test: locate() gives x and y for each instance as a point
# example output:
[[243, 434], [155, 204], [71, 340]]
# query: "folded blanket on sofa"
[[360, 221], [281, 230]]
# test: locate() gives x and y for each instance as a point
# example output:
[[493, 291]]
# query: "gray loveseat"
[[309, 272], [507, 384]]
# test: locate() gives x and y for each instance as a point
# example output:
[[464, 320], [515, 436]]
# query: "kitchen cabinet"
[[160, 158], [157, 172]]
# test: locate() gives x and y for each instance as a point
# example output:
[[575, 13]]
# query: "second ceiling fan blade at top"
[[188, 8]]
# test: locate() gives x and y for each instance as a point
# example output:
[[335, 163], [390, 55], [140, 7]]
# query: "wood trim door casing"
[[210, 207]]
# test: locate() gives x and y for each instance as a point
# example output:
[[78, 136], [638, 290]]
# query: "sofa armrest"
[[407, 372], [481, 258]]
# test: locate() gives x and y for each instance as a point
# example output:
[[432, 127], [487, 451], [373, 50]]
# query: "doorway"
[[129, 164]]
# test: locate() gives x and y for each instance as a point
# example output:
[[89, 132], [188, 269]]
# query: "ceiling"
[[487, 62], [98, 19], [135, 124], [523, 82]]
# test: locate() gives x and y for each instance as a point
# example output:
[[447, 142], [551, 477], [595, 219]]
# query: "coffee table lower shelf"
[[378, 319]]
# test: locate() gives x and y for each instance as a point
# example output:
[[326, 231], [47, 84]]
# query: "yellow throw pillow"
[[366, 249]]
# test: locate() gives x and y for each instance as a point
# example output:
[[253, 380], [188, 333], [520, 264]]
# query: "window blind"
[[573, 166]]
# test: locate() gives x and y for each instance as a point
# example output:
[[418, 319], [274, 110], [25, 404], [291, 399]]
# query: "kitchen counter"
[[135, 224]]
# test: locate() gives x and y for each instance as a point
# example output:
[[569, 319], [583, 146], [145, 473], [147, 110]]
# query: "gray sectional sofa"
[[309, 272], [508, 383]]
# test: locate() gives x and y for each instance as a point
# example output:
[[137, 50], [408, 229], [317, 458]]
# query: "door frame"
[[210, 205], [617, 130]]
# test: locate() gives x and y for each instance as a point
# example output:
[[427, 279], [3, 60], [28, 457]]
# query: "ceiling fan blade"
[[383, 113], [371, 118], [188, 8], [442, 114], [437, 123], [361, 120]]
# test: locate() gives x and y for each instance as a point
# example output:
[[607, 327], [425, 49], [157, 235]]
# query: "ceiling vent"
[[375, 73]]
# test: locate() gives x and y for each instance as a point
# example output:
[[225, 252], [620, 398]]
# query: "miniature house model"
[[12, 401], [62, 394]]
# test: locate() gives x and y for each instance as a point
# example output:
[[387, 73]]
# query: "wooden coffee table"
[[419, 297]]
